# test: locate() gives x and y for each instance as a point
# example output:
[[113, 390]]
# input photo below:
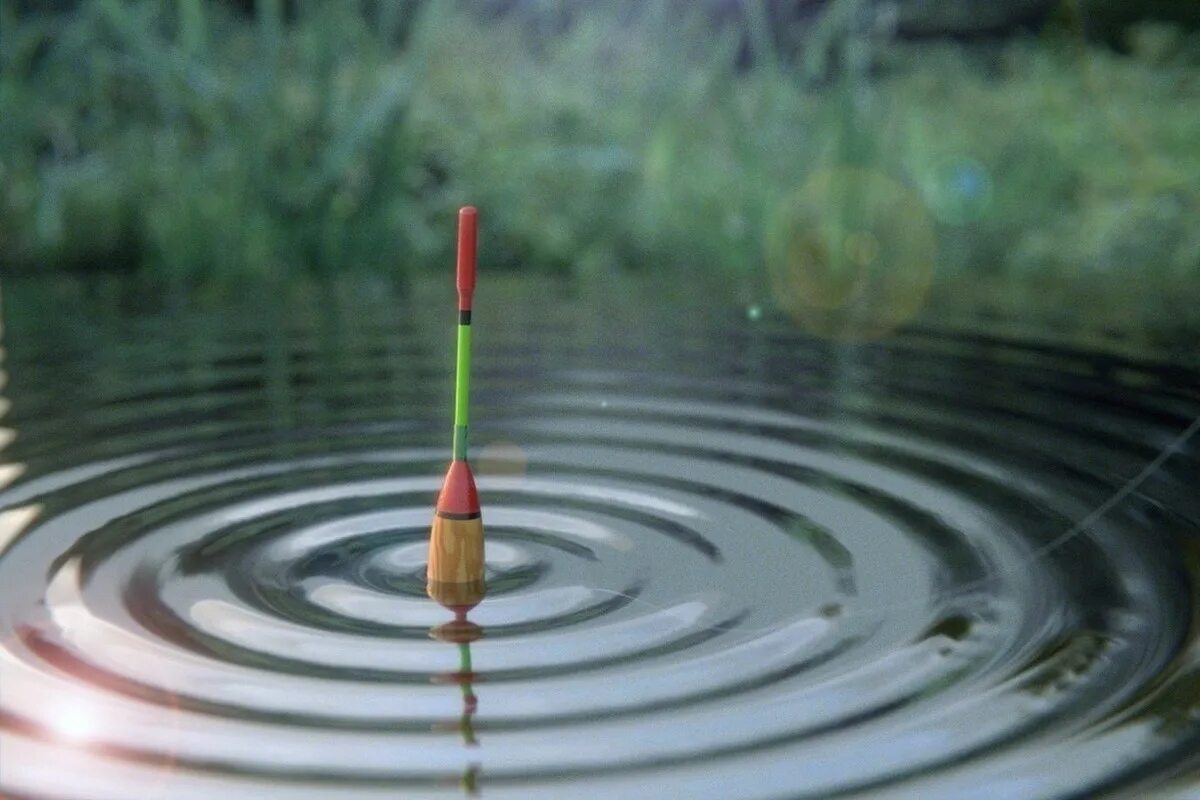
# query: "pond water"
[[726, 559]]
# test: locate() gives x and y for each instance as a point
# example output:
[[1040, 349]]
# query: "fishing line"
[[1079, 527]]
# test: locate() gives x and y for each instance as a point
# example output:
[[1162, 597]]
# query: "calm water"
[[726, 559]]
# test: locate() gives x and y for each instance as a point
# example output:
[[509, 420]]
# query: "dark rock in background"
[[1105, 20], [1110, 20], [965, 18]]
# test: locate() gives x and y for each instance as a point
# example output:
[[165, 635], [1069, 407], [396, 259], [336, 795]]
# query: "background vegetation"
[[199, 141]]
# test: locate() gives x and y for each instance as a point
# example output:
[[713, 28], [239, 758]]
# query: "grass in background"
[[177, 139]]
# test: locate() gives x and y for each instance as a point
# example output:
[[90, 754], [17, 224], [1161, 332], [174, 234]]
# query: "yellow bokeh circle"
[[850, 255], [501, 458]]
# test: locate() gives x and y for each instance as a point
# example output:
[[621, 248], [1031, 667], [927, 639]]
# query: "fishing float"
[[455, 573]]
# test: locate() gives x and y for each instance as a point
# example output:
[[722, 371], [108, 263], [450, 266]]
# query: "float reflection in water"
[[462, 632]]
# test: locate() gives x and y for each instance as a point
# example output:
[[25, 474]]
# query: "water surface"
[[726, 559]]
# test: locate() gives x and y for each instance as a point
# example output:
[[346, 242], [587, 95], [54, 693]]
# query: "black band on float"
[[458, 516]]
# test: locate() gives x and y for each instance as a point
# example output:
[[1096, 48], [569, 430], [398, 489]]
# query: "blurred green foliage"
[[177, 137], [187, 141]]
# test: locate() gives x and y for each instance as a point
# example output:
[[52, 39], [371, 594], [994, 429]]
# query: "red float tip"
[[458, 495], [468, 220]]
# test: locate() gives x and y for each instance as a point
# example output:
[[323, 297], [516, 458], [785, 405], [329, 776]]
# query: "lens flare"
[[851, 254], [958, 190], [502, 458]]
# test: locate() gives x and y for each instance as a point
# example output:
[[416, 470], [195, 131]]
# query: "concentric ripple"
[[726, 563]]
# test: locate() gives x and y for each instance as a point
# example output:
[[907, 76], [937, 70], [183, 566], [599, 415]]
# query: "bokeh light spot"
[[862, 248], [851, 254], [958, 190], [502, 458]]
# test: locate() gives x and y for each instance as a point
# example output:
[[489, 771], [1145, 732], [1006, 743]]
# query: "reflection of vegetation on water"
[[193, 141]]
